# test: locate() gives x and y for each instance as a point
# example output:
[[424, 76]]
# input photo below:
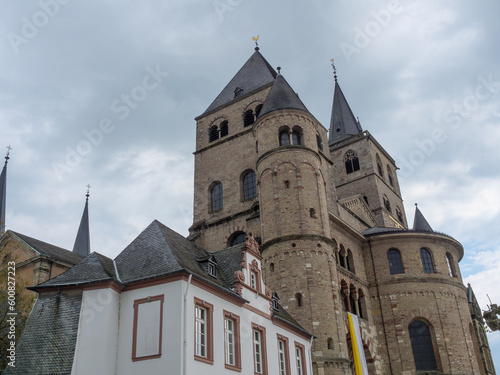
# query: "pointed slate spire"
[[419, 222], [343, 124], [3, 192], [253, 75], [281, 96], [82, 242]]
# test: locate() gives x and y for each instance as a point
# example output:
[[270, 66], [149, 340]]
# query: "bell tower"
[[363, 167]]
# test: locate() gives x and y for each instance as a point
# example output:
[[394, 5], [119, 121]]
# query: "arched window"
[[350, 261], [248, 118], [237, 238], [395, 262], [271, 267], [361, 304], [379, 166], [330, 343], [216, 197], [421, 345], [389, 175], [224, 129], [257, 110], [425, 255], [400, 215], [319, 142], [298, 298], [353, 299], [296, 138], [343, 257], [249, 186], [451, 266], [351, 162], [213, 133], [387, 204], [284, 138]]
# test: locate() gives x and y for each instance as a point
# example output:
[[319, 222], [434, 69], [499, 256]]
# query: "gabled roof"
[[253, 75], [94, 268], [419, 222], [343, 124], [281, 96], [47, 249], [82, 242], [48, 342]]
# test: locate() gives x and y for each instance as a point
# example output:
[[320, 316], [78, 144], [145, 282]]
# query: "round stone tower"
[[294, 181]]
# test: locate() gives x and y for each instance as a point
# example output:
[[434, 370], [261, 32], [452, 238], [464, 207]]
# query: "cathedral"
[[296, 229], [327, 209]]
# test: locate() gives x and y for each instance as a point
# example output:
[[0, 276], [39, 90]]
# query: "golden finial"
[[255, 39]]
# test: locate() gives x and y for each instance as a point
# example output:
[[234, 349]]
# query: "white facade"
[[107, 331]]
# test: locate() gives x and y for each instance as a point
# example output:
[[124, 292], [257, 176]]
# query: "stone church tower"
[[328, 213]]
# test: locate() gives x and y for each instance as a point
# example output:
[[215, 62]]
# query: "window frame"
[[284, 135], [138, 302], [415, 343], [263, 349], [451, 265], [219, 198], [351, 161], [427, 264], [391, 268], [300, 351], [286, 354], [249, 187], [237, 341], [209, 344]]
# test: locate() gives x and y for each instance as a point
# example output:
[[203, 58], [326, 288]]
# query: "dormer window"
[[237, 91], [275, 299], [212, 269]]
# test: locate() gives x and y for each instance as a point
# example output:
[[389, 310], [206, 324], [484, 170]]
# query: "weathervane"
[[334, 70], [88, 192], [255, 39], [8, 153]]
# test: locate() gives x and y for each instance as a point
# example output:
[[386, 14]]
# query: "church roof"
[[3, 194], [343, 124], [419, 222], [48, 342], [253, 75], [281, 96], [47, 249], [94, 268], [82, 242]]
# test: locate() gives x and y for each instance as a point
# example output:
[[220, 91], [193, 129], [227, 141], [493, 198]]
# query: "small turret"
[[419, 222]]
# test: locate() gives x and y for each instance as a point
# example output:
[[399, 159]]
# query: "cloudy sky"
[[105, 93]]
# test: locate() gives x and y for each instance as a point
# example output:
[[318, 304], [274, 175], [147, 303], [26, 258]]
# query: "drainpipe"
[[380, 306], [184, 327]]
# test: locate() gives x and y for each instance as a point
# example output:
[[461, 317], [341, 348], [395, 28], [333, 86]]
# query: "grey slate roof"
[[3, 195], [94, 268], [49, 250], [47, 345], [253, 75], [281, 96], [419, 222], [229, 261], [343, 124], [82, 242]]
